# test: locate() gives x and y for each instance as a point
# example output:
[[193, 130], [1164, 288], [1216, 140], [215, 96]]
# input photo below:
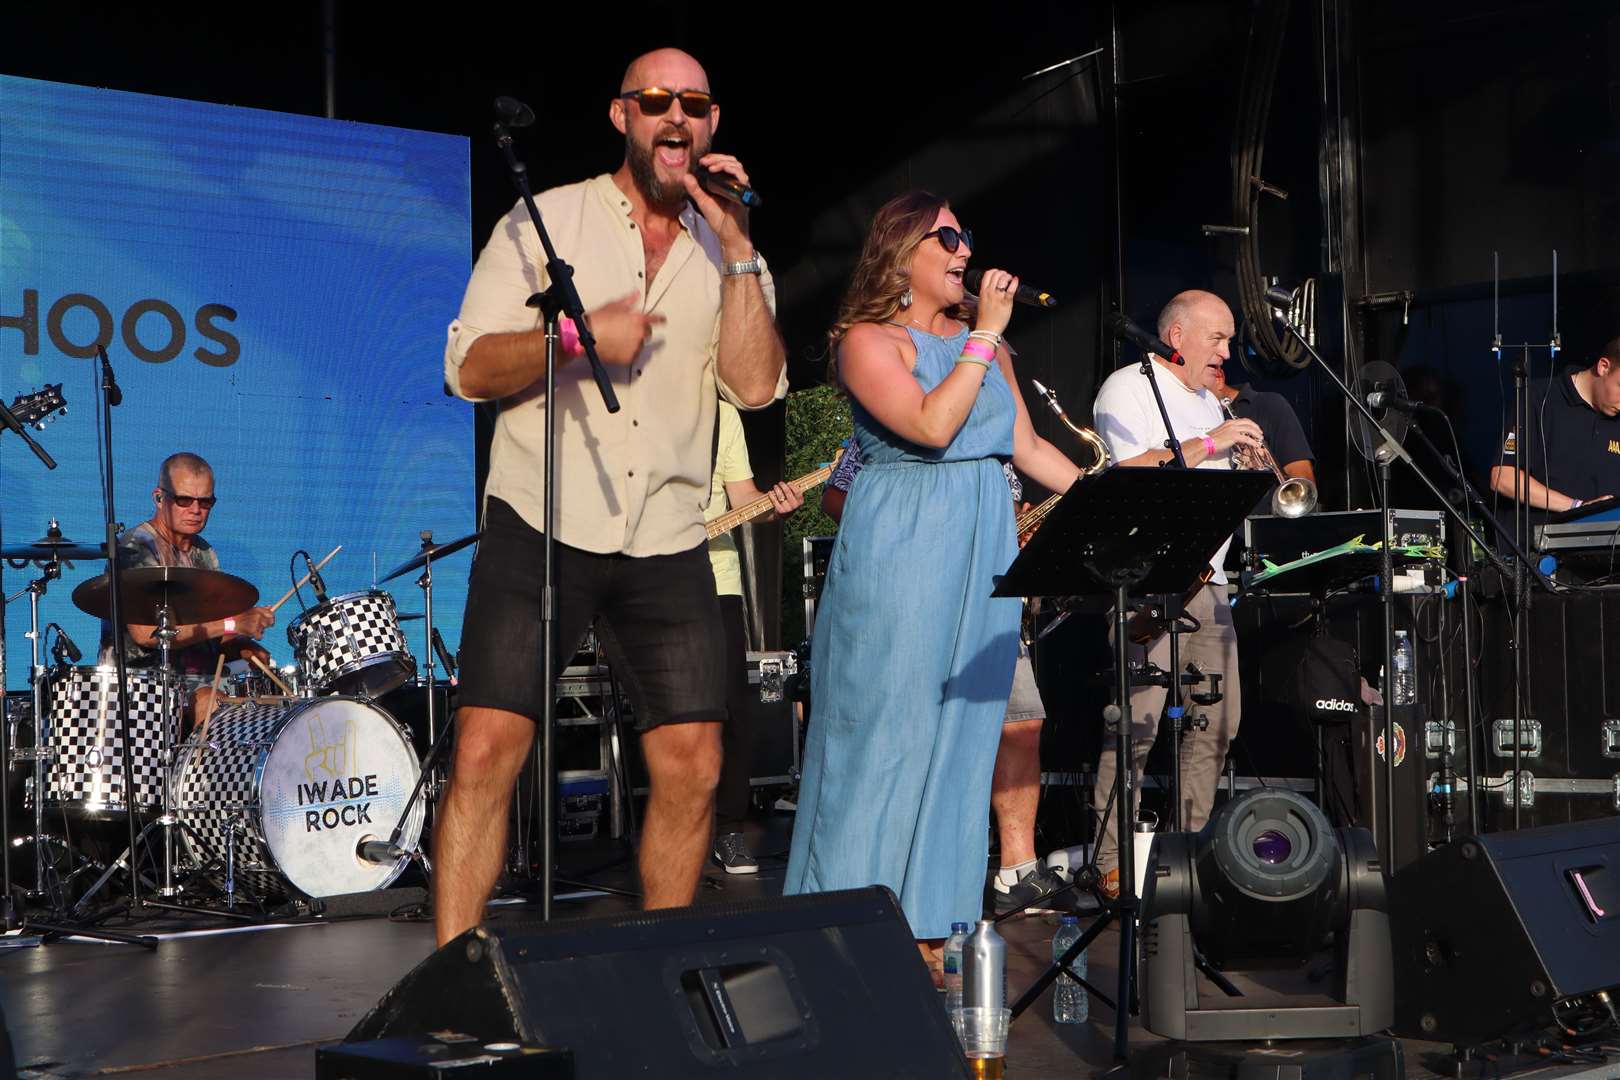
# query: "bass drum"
[[301, 783]]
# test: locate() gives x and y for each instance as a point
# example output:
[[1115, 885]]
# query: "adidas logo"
[[1335, 705]]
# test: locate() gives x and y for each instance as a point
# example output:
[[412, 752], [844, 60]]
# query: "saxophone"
[[1030, 520]]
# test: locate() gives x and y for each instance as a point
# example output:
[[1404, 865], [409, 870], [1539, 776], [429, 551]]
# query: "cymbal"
[[59, 546], [193, 595], [436, 552]]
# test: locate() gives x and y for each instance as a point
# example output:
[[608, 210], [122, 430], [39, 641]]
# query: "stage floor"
[[254, 1005]]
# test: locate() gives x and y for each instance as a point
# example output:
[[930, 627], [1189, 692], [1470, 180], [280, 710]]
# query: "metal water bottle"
[[984, 968]]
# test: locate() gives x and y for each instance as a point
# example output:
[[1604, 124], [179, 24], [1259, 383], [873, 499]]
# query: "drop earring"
[[906, 298]]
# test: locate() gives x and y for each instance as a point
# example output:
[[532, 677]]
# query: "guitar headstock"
[[40, 407]]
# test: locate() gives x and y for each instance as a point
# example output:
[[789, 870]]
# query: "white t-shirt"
[[1128, 419]]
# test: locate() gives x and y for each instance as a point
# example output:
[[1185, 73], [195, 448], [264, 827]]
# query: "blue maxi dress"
[[912, 662]]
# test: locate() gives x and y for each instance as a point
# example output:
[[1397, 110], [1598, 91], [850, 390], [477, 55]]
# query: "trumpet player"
[[1198, 325], [1279, 425]]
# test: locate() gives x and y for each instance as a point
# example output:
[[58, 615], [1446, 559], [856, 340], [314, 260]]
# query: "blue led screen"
[[273, 292]]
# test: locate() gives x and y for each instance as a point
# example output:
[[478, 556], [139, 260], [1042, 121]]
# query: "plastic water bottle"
[[953, 965], [1405, 685], [984, 968], [1069, 1002]]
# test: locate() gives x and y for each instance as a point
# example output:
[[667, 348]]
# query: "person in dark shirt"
[[1284, 436], [1570, 452]]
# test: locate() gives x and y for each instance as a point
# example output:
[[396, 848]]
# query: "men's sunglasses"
[[655, 101], [950, 239], [205, 501]]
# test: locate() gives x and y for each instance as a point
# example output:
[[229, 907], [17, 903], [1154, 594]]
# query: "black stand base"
[[1373, 1058]]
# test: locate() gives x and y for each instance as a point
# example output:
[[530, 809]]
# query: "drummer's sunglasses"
[[183, 501], [655, 101]]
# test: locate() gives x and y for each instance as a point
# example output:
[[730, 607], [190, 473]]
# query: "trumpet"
[[1294, 496]]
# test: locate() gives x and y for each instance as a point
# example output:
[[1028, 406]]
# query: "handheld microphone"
[[513, 113], [1026, 294], [316, 582], [1129, 331], [64, 648], [379, 851], [444, 655], [729, 187], [1394, 401], [115, 396]]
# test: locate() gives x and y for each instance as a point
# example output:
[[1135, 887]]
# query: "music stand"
[[1147, 530]]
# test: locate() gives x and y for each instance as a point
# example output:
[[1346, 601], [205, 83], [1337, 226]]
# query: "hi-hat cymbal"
[[436, 552], [48, 547], [193, 595]]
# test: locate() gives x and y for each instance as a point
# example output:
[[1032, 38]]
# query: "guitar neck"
[[762, 505]]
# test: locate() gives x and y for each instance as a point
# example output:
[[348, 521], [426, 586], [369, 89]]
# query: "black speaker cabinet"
[[1493, 933], [823, 985]]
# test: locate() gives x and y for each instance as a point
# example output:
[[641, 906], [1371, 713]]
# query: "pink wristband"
[[568, 335], [1209, 446], [982, 349]]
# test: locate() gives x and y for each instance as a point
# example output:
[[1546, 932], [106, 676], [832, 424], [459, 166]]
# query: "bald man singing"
[[1198, 325], [682, 309]]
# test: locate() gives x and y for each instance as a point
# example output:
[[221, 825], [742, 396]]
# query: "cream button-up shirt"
[[637, 481]]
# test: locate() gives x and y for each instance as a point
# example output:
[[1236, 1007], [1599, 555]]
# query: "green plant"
[[818, 421]]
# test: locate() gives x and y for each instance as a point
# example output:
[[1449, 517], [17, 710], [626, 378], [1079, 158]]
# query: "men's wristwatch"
[[747, 266]]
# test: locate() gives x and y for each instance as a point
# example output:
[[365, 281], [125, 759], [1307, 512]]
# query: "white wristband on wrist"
[[230, 626]]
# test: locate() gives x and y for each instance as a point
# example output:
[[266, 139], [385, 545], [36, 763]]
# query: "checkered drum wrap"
[[85, 736], [251, 775], [352, 645]]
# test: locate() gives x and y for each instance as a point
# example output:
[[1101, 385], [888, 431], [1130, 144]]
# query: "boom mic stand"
[[560, 298], [1282, 300]]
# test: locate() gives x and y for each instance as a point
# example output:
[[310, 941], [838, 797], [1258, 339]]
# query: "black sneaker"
[[731, 852], [1030, 894]]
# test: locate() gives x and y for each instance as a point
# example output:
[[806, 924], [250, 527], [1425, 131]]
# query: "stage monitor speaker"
[[1496, 935], [828, 984]]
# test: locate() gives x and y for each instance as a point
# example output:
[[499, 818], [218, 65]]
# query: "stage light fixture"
[[1264, 886]]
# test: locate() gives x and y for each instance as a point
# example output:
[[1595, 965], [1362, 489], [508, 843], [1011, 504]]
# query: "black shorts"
[[657, 617]]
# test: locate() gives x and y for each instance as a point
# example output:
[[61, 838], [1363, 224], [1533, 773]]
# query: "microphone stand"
[[560, 298], [1388, 452]]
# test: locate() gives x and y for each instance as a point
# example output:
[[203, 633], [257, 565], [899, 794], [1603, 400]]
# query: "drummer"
[[172, 536]]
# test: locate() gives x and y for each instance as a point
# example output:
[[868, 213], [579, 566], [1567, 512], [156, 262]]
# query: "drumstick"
[[213, 703], [219, 668], [270, 671], [304, 580]]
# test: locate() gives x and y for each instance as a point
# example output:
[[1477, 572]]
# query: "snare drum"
[[352, 644], [301, 782], [84, 738]]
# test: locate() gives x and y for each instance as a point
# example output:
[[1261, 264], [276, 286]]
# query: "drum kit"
[[293, 785]]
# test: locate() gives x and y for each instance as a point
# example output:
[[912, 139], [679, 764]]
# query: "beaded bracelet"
[[986, 335]]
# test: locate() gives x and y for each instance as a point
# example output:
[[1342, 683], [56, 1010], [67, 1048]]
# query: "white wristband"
[[230, 626]]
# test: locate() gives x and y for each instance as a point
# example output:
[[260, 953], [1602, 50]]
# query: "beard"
[[644, 171]]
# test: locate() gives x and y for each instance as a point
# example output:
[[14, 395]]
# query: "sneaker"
[[731, 852], [1030, 894]]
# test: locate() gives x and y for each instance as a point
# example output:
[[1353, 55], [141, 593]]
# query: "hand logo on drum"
[[328, 748]]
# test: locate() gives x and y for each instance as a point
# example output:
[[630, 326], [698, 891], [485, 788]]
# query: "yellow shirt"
[[730, 466], [636, 481]]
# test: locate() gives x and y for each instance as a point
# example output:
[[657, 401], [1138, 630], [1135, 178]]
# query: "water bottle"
[[1405, 685], [1069, 1003], [953, 965], [984, 968]]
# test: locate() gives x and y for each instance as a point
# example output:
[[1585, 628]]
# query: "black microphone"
[[1394, 401], [64, 647], [1026, 294], [316, 582], [379, 851], [444, 655], [115, 396], [1124, 328], [513, 113], [729, 187], [1281, 299]]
